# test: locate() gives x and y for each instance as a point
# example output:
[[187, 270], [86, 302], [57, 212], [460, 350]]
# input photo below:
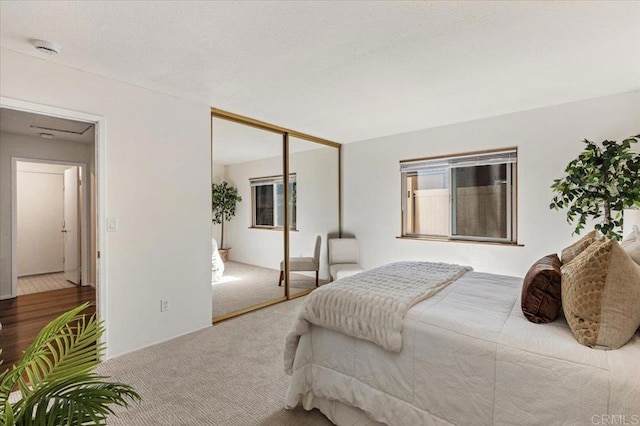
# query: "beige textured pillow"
[[570, 253], [601, 295]]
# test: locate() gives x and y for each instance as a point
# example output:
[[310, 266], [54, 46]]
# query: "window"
[[267, 197], [464, 197]]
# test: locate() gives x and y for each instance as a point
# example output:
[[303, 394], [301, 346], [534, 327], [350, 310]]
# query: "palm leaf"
[[42, 356], [76, 401], [55, 376]]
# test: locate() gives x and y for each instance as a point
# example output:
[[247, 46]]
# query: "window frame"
[[445, 161], [273, 181]]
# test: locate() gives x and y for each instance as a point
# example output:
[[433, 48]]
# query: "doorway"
[[51, 152], [51, 217], [50, 178]]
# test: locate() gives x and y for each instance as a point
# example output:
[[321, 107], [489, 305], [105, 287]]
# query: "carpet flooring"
[[230, 374], [244, 285]]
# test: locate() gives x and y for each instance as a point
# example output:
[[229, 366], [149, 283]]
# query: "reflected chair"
[[304, 263], [343, 258]]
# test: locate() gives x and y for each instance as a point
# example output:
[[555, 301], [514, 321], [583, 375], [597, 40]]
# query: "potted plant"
[[600, 183], [56, 378], [223, 205]]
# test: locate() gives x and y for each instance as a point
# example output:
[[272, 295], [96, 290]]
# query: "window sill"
[[275, 228], [456, 240]]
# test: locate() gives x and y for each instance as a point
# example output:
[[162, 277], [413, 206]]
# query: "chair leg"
[[281, 278], [316, 278]]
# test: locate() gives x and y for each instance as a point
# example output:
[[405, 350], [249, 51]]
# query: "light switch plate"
[[112, 224]]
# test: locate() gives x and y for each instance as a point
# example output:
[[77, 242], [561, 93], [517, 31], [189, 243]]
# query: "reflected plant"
[[224, 199]]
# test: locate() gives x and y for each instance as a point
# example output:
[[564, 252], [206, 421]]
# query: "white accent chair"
[[304, 263], [343, 258]]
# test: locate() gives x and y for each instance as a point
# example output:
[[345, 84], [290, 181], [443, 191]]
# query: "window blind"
[[273, 180], [504, 157]]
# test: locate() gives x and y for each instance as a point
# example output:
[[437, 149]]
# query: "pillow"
[[633, 250], [541, 301], [634, 235], [578, 247], [631, 245], [601, 295]]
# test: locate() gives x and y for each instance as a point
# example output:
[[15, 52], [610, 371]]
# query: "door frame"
[[100, 151], [84, 218]]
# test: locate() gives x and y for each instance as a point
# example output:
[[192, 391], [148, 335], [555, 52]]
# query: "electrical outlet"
[[112, 224], [164, 305]]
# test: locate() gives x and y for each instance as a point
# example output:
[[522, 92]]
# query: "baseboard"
[[155, 343], [39, 273]]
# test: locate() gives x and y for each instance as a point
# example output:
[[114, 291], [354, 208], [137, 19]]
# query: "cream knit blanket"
[[371, 305]]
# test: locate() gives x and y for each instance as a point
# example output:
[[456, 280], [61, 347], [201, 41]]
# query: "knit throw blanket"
[[371, 305]]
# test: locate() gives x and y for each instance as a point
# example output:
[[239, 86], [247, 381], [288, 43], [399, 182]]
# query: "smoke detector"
[[46, 136], [46, 47]]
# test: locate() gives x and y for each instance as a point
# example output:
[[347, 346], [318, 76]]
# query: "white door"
[[40, 215], [71, 227]]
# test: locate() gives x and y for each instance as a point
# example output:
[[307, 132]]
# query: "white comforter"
[[371, 305], [469, 356]]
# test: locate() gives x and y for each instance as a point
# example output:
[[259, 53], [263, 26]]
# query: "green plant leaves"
[[601, 182], [56, 380], [224, 198]]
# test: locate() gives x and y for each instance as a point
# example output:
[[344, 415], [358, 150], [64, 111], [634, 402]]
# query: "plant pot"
[[224, 254]]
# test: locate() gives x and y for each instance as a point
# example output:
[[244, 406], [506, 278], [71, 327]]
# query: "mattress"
[[469, 356]]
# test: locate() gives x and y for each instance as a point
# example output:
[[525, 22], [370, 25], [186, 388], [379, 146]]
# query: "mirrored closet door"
[[315, 210], [246, 161], [279, 194]]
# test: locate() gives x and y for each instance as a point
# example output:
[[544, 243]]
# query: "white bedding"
[[469, 356], [371, 305]]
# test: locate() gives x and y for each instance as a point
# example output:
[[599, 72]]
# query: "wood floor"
[[23, 317]]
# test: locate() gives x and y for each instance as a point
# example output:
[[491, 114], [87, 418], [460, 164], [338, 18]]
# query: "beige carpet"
[[246, 285], [229, 374]]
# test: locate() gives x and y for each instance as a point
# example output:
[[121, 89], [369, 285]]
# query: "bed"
[[468, 356]]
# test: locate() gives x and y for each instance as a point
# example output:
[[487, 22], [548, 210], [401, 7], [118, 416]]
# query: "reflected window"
[[267, 196], [470, 197]]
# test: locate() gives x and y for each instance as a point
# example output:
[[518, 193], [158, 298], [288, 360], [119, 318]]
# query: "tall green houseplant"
[[56, 378], [599, 184], [224, 199]]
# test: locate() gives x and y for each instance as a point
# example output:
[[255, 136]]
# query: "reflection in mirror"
[[250, 160], [315, 209]]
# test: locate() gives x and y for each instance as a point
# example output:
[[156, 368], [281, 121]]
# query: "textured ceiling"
[[346, 71]]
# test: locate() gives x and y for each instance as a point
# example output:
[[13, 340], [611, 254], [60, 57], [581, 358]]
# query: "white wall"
[[547, 140], [317, 209], [40, 214], [158, 178]]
